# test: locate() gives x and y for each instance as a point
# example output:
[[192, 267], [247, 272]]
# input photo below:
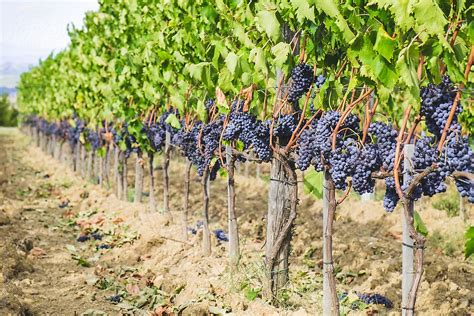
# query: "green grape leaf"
[[268, 22], [469, 245], [419, 224], [231, 61], [303, 10], [313, 183], [384, 44], [429, 16], [173, 121], [281, 51]]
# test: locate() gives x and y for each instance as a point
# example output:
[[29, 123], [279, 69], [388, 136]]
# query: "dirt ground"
[[69, 247]]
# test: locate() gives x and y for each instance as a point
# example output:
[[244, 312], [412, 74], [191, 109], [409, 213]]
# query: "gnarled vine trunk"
[[330, 299], [206, 235], [282, 200], [151, 201], [138, 178], [234, 251], [184, 220], [166, 181]]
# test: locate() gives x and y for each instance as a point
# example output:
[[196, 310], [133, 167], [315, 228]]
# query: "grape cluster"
[[391, 197], [342, 163], [386, 138], [301, 80], [93, 139], [368, 161], [308, 147], [284, 127], [458, 156], [436, 103], [74, 132], [245, 127], [156, 131], [375, 299]]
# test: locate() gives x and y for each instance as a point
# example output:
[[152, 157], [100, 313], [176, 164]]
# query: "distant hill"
[[10, 73], [7, 90]]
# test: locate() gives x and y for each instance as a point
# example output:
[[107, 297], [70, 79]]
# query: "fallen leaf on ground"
[[37, 252]]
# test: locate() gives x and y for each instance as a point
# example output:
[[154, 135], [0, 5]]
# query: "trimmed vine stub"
[[282, 200], [234, 251]]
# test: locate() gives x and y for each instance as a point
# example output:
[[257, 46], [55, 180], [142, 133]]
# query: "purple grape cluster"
[[436, 104], [75, 130], [253, 133], [284, 127], [93, 139], [391, 197], [302, 78], [375, 298], [458, 156], [368, 160], [342, 163]]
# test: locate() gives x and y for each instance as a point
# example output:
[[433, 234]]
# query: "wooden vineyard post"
[[152, 201], [206, 235], [234, 251], [184, 219], [90, 162], [330, 299], [125, 178], [166, 163], [138, 178], [106, 170], [407, 241], [282, 195], [116, 170]]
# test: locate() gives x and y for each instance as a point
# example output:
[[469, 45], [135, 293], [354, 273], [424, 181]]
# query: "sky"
[[32, 29]]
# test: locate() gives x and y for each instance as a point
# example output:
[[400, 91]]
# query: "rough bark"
[[116, 170], [151, 201], [206, 235], [83, 162], [125, 179], [184, 219], [413, 243], [106, 173], [166, 163], [330, 299], [234, 249], [282, 199], [138, 178], [96, 167]]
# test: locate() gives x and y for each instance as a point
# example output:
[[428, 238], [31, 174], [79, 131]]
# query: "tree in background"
[[8, 114]]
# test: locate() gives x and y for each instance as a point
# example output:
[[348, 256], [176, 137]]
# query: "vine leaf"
[[303, 10], [469, 245], [231, 61], [384, 44], [313, 183], [419, 224], [173, 121], [281, 51], [268, 21]]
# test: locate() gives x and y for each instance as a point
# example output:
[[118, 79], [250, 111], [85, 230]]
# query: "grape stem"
[[456, 101], [397, 151], [369, 117], [346, 193], [345, 114], [295, 132]]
